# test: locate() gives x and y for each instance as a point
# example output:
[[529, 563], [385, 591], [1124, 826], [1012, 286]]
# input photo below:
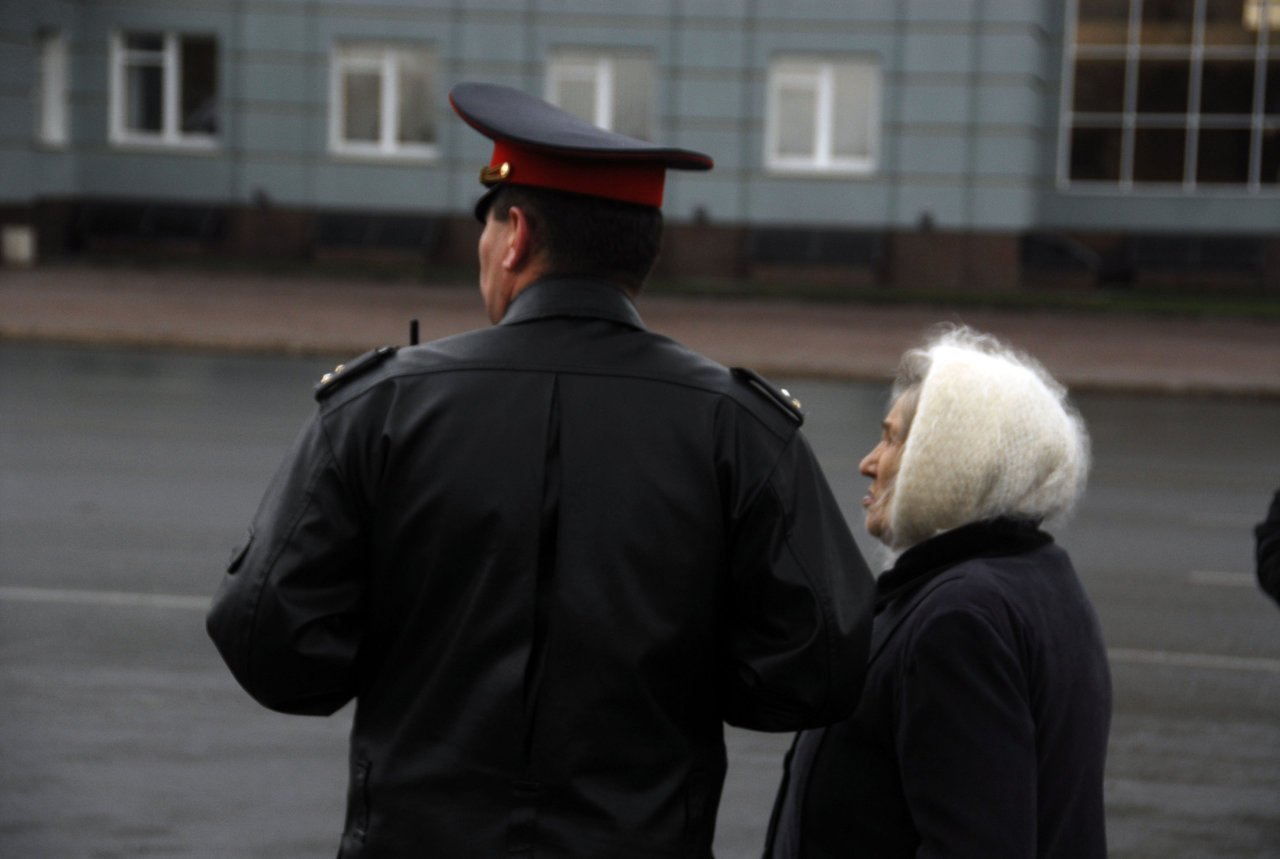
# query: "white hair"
[[990, 434]]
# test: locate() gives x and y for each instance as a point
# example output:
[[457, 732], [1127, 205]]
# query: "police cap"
[[539, 145]]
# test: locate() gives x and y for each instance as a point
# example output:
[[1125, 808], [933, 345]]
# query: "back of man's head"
[[587, 236]]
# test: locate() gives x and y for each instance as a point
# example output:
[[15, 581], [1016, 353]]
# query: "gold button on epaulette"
[[780, 397], [330, 381]]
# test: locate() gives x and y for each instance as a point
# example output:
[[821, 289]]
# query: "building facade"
[[976, 144]]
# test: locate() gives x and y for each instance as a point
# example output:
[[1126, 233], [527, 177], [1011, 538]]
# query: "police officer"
[[550, 558]]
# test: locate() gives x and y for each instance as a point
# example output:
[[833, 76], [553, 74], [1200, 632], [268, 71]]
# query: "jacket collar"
[[927, 565], [572, 296], [989, 538]]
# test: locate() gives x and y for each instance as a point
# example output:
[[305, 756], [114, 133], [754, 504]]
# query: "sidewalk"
[[200, 310]]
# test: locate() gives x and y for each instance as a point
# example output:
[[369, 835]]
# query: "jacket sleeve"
[[287, 618], [1268, 550], [966, 741], [799, 604]]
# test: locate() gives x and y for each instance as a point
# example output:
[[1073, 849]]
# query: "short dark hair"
[[590, 236]]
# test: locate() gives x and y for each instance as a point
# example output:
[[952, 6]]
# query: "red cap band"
[[628, 181]]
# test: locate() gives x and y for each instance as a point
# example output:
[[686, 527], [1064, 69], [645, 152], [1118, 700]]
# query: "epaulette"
[[343, 373], [780, 397]]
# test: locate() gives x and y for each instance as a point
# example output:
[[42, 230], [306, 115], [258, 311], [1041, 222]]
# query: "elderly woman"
[[982, 728]]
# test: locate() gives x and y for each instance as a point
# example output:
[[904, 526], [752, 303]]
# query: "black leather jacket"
[[546, 559]]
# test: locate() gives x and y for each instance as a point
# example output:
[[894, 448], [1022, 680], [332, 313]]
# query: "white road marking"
[[1216, 578], [104, 598], [1231, 521], [1196, 660]]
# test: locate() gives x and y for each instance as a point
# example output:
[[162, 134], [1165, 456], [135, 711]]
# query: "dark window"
[[145, 42], [1271, 101], [145, 111], [1159, 154], [1167, 22], [1224, 24], [1223, 156], [1103, 22], [1227, 87], [1163, 86], [1095, 154], [168, 88], [199, 82], [1270, 157], [1174, 92], [1099, 86]]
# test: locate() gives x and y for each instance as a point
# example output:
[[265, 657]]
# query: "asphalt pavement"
[[127, 473]]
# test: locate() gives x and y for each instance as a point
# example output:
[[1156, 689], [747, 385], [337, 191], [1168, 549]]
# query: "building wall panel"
[[286, 134], [943, 11], [142, 174], [1003, 207], [969, 108], [848, 202], [933, 101], [1009, 103], [1010, 53], [287, 82], [382, 188], [701, 49], [271, 32], [1010, 154], [937, 151]]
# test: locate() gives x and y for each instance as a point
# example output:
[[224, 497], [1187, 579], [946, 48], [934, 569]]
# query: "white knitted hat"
[[993, 435]]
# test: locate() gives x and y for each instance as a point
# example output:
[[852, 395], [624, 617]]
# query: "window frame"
[[53, 84], [171, 135], [385, 59], [568, 62], [820, 73], [1130, 121]]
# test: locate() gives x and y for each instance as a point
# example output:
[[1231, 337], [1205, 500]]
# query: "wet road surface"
[[127, 476]]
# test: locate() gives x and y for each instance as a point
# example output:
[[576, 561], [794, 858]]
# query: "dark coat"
[[1268, 549], [982, 730], [547, 559]]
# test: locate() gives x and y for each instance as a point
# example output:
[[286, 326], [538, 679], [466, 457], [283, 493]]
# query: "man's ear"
[[520, 240]]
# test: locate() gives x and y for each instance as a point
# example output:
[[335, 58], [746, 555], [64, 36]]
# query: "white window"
[[384, 101], [164, 89], [52, 96], [613, 91], [823, 116]]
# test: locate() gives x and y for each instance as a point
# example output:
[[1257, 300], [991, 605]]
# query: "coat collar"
[[570, 296], [926, 566]]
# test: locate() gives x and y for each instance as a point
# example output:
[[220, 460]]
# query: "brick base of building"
[[925, 260]]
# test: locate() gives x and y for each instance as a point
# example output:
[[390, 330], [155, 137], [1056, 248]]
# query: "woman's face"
[[881, 465]]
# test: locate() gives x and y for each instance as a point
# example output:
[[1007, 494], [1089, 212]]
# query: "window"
[[1253, 14], [613, 91], [52, 95], [384, 102], [1183, 94], [823, 116], [164, 89]]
